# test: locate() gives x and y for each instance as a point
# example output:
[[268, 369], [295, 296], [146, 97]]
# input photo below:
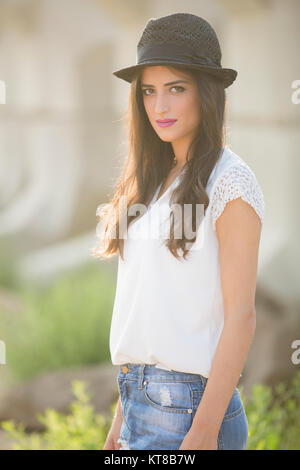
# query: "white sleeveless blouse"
[[169, 312]]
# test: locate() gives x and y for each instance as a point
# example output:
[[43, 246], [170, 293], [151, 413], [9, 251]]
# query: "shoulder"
[[234, 179]]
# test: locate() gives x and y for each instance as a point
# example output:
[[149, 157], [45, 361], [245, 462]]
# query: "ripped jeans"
[[158, 407]]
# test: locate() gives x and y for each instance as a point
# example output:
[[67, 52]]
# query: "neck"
[[180, 148]]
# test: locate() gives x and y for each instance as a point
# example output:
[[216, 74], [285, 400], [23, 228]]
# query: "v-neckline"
[[154, 200]]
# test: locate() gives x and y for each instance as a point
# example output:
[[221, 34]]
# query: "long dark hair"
[[149, 161]]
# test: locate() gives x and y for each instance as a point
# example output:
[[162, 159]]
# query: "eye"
[[181, 87], [150, 89], [146, 89]]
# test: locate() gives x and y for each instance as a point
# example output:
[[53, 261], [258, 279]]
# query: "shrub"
[[64, 324], [80, 430], [273, 420], [274, 416]]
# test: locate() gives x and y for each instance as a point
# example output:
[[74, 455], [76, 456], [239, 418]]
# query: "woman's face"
[[178, 101]]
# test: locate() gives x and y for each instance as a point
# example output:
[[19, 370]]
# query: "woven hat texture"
[[180, 38], [183, 28]]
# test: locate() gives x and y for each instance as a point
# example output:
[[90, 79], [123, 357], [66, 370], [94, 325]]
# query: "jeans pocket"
[[235, 406], [168, 410], [233, 434], [169, 397]]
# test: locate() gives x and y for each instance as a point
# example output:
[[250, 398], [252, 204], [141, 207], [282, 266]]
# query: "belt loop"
[[141, 376]]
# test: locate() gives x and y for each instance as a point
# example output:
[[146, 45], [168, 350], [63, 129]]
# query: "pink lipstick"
[[166, 122]]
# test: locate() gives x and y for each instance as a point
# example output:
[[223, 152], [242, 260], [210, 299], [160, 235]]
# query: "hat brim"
[[228, 76]]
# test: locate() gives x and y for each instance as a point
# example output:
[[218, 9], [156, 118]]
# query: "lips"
[[166, 122]]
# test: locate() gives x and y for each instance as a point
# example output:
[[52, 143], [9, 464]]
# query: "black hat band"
[[174, 52]]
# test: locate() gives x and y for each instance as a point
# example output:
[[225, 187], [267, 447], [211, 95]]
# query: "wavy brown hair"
[[149, 161]]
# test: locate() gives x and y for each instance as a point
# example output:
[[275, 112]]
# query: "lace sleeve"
[[236, 181]]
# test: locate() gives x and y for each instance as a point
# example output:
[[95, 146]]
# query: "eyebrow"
[[166, 84]]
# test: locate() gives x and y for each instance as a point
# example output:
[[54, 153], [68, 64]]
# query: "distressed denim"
[[158, 408]]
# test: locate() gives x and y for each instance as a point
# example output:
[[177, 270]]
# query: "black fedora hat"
[[180, 39]]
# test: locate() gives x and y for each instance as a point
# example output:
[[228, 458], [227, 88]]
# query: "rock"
[[277, 326], [23, 401]]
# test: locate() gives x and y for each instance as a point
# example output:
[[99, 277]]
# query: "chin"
[[166, 139]]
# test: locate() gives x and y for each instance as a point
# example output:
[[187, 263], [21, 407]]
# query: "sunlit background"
[[62, 147]]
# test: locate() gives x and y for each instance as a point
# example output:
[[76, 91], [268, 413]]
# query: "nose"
[[161, 104]]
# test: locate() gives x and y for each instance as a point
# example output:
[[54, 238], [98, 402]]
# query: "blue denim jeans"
[[158, 407]]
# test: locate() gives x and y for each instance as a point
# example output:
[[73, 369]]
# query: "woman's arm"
[[113, 435], [238, 230]]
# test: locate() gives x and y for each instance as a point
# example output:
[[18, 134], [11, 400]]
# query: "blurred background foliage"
[[273, 419], [62, 146], [64, 323]]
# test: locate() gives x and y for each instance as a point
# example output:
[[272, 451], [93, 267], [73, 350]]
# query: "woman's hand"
[[199, 440], [114, 434]]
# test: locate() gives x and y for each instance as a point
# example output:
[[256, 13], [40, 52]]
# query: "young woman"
[[184, 311]]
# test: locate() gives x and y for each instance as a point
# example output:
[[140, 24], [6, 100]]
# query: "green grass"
[[64, 324]]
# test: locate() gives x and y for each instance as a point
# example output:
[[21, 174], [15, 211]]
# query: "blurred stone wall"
[[62, 142]]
